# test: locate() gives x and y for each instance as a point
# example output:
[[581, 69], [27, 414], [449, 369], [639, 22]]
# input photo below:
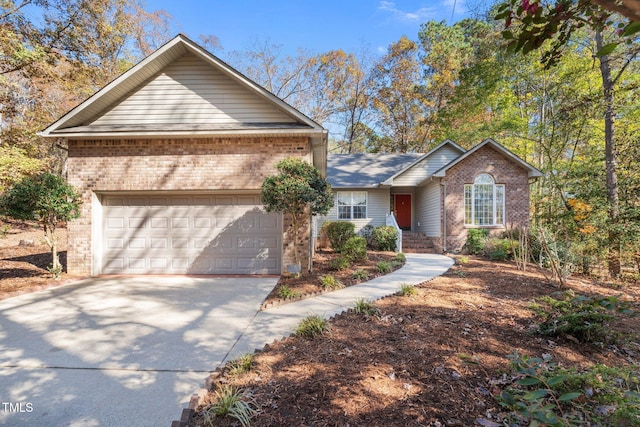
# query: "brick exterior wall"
[[504, 171], [190, 164]]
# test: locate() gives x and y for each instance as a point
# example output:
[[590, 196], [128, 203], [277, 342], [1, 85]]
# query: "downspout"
[[444, 216]]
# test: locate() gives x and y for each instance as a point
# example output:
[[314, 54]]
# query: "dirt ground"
[[434, 359], [24, 258]]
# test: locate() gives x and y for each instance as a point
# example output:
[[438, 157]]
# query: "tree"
[[298, 190], [399, 97], [446, 52], [56, 53], [47, 199], [549, 26]]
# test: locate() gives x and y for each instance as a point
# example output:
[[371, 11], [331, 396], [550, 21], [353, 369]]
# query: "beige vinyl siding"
[[377, 209], [426, 167], [191, 91], [428, 206]]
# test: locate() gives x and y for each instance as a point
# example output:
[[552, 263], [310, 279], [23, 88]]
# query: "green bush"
[[499, 249], [476, 239], [542, 393], [355, 249], [384, 238], [367, 233], [584, 318], [338, 232], [340, 263]]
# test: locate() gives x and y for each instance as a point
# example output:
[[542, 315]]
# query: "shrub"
[[499, 249], [338, 232], [462, 260], [241, 365], [542, 393], [400, 257], [355, 249], [407, 290], [364, 307], [330, 282], [286, 292], [340, 263], [384, 238], [383, 267], [476, 239], [584, 318], [359, 274], [367, 233], [232, 403], [311, 327]]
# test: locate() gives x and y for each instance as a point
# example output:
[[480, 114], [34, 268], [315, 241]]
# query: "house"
[[170, 158], [436, 196]]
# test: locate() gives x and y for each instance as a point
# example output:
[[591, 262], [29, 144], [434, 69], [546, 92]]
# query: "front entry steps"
[[413, 242]]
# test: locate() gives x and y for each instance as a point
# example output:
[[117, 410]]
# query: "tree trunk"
[[610, 160], [294, 225], [50, 238]]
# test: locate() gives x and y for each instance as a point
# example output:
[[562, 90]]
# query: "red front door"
[[403, 211]]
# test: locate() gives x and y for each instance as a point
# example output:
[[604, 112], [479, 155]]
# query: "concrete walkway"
[[279, 322]]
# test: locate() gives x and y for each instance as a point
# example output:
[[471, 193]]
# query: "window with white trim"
[[352, 204], [484, 202]]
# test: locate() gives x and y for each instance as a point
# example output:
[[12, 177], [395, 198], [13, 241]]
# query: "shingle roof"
[[365, 170]]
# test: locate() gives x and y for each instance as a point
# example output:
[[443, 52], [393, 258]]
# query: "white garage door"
[[194, 234]]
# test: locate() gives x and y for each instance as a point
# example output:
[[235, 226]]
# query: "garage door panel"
[[159, 243], [179, 242], [198, 234]]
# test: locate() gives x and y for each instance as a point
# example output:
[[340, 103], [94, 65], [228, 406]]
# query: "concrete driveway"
[[118, 351]]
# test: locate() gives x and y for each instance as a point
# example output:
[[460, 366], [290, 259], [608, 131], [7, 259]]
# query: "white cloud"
[[421, 14]]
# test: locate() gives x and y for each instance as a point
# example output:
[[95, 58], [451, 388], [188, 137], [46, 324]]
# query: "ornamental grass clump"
[[330, 282], [230, 402], [312, 326]]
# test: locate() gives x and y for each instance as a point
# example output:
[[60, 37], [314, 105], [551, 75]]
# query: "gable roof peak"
[[76, 121], [532, 172]]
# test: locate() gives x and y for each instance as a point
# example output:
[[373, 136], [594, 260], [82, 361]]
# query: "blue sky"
[[317, 26]]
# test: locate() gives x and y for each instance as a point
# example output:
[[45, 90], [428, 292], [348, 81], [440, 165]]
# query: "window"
[[352, 204], [484, 202]]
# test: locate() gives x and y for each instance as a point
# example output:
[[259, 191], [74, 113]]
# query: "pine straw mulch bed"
[[409, 365], [24, 258], [308, 285]]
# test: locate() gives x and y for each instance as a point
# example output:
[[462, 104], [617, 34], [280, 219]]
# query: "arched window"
[[484, 202]]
